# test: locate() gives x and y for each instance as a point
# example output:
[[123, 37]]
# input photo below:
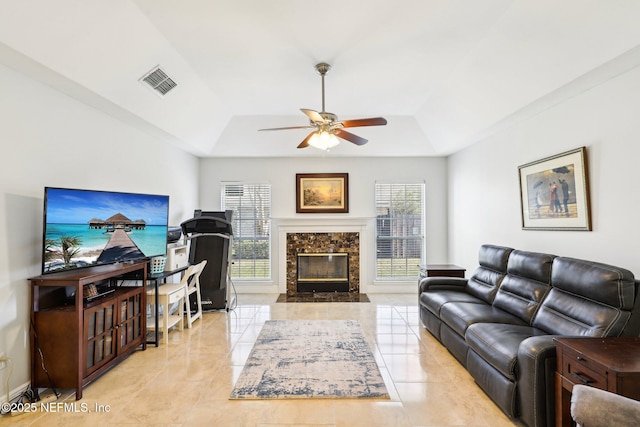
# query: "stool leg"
[[181, 312], [187, 307], [199, 302], [165, 317]]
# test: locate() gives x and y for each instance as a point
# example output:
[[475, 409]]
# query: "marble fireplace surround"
[[322, 243], [319, 229]]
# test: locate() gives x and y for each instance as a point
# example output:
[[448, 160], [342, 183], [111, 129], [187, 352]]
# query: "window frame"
[[238, 220], [411, 272]]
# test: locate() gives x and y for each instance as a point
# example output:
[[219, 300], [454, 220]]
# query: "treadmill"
[[211, 238]]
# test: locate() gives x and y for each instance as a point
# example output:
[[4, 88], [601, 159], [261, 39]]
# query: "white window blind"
[[251, 206], [399, 230]]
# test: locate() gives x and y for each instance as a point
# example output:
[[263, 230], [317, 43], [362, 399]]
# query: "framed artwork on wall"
[[554, 192], [322, 193]]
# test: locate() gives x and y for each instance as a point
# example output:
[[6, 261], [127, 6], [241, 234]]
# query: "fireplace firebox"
[[322, 272]]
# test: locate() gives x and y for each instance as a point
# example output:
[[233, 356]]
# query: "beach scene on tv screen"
[[85, 228]]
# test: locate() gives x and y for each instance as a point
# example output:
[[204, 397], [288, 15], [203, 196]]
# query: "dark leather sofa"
[[500, 323]]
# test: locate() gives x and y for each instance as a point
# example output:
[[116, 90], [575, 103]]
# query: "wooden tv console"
[[83, 336]]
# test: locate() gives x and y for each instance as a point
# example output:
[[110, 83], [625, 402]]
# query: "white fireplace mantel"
[[318, 223], [324, 224]]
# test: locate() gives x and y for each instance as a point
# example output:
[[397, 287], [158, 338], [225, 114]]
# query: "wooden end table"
[[611, 364], [447, 270]]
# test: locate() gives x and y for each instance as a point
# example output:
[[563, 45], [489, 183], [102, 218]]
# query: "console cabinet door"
[[100, 335], [130, 318]]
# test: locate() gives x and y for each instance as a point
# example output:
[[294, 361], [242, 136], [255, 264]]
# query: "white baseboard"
[[376, 288], [15, 392], [255, 288], [392, 288]]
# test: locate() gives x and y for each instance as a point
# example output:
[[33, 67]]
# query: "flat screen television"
[[84, 228]]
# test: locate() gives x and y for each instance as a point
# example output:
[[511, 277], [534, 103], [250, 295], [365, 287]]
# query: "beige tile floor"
[[188, 381]]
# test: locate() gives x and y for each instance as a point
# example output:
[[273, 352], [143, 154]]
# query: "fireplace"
[[343, 247], [322, 272]]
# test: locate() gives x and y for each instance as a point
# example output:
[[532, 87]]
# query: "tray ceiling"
[[445, 74]]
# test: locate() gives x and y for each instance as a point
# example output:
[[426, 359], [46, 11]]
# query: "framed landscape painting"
[[322, 193], [554, 192]]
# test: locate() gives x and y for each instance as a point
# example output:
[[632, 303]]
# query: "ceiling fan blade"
[[290, 127], [314, 116], [374, 121], [350, 137], [305, 142]]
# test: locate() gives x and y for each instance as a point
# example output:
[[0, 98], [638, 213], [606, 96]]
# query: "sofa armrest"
[[442, 283], [593, 407], [536, 380]]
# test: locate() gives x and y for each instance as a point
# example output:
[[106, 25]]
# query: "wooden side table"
[[611, 364], [447, 270]]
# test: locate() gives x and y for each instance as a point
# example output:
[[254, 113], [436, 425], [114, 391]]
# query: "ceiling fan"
[[327, 126]]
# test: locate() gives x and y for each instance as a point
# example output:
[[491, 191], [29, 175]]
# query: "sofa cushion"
[[587, 299], [532, 265], [434, 300], [498, 344], [488, 276], [527, 282], [604, 283], [563, 313], [460, 315], [494, 257]]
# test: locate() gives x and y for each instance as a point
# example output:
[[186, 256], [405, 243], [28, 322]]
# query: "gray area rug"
[[300, 359]]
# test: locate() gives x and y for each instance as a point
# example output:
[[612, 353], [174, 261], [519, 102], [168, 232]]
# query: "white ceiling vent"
[[159, 81]]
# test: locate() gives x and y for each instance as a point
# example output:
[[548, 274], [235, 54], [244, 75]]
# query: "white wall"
[[484, 195], [49, 139], [363, 173]]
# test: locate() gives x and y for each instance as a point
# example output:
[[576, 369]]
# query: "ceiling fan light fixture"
[[324, 140], [327, 126]]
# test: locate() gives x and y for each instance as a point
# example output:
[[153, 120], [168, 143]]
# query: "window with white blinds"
[[251, 206], [399, 230]]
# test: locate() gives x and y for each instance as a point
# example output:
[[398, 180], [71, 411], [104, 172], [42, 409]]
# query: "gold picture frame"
[[554, 192], [322, 193]]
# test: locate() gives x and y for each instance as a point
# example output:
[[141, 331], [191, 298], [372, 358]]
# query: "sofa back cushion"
[[485, 281], [586, 299], [527, 282]]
